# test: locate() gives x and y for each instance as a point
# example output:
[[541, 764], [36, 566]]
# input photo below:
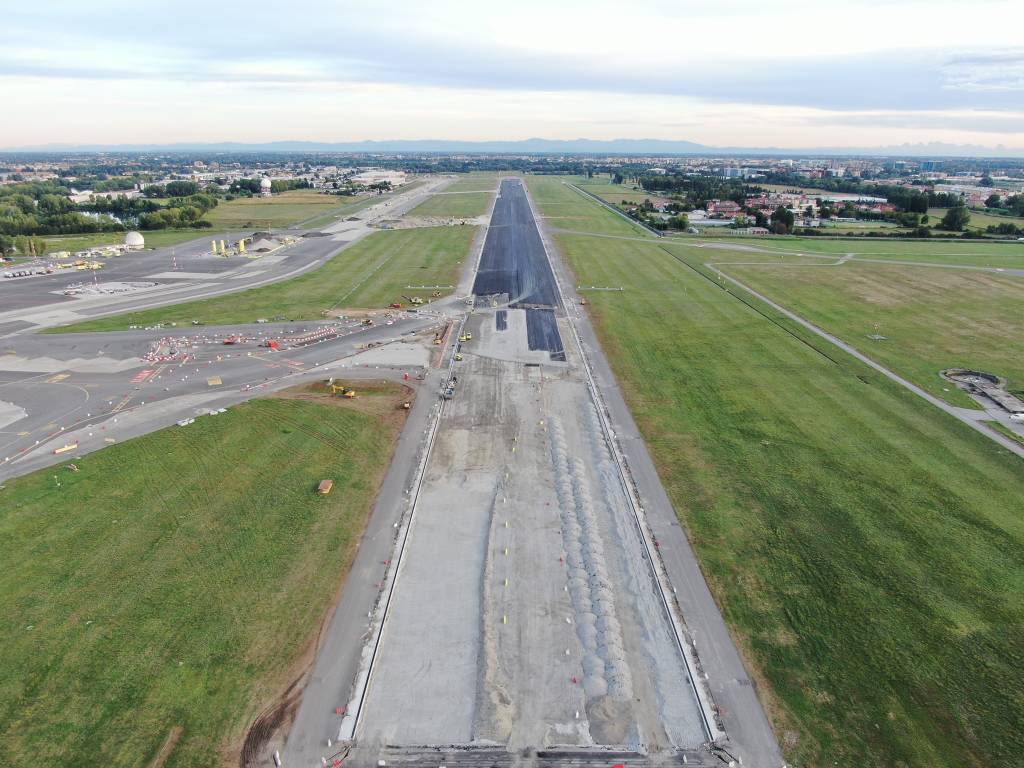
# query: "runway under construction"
[[526, 615]]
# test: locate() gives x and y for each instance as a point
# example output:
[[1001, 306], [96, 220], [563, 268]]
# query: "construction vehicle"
[[271, 344], [406, 405], [231, 340], [367, 321], [345, 391], [438, 337], [395, 305], [458, 356], [414, 300], [466, 337], [436, 294], [583, 301]]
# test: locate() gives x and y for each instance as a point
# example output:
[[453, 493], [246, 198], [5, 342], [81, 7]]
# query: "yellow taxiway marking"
[[58, 378]]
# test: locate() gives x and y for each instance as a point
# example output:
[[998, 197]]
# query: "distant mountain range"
[[657, 147]]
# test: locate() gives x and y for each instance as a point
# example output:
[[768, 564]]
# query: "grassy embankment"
[[866, 549], [372, 273], [188, 593]]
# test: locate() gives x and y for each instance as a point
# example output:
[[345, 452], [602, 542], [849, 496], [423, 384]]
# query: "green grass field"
[[973, 253], [281, 210], [932, 318], [154, 239], [185, 594], [867, 550], [372, 273], [476, 181], [616, 193], [979, 220], [564, 208], [448, 204]]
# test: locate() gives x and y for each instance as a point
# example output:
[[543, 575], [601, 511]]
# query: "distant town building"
[[722, 208]]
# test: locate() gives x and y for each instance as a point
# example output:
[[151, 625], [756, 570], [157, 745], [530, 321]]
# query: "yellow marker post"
[[504, 619]]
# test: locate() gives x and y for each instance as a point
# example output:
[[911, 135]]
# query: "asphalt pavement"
[[83, 391], [188, 271]]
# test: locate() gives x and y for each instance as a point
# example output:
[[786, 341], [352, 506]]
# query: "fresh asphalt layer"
[[513, 266]]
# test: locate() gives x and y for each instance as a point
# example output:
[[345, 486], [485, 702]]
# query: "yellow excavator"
[[342, 390]]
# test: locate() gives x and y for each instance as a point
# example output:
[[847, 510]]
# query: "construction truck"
[[466, 337], [395, 305], [458, 356], [414, 300]]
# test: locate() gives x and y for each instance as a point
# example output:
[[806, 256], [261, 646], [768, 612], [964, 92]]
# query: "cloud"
[[981, 122], [805, 56]]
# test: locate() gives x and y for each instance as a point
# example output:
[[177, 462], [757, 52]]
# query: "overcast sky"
[[728, 72]]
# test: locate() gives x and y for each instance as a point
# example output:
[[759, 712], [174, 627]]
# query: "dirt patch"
[[358, 312], [610, 720], [257, 748], [376, 397], [416, 222], [167, 747]]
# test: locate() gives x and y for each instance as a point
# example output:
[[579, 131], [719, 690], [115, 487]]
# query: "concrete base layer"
[[499, 757], [526, 612]]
